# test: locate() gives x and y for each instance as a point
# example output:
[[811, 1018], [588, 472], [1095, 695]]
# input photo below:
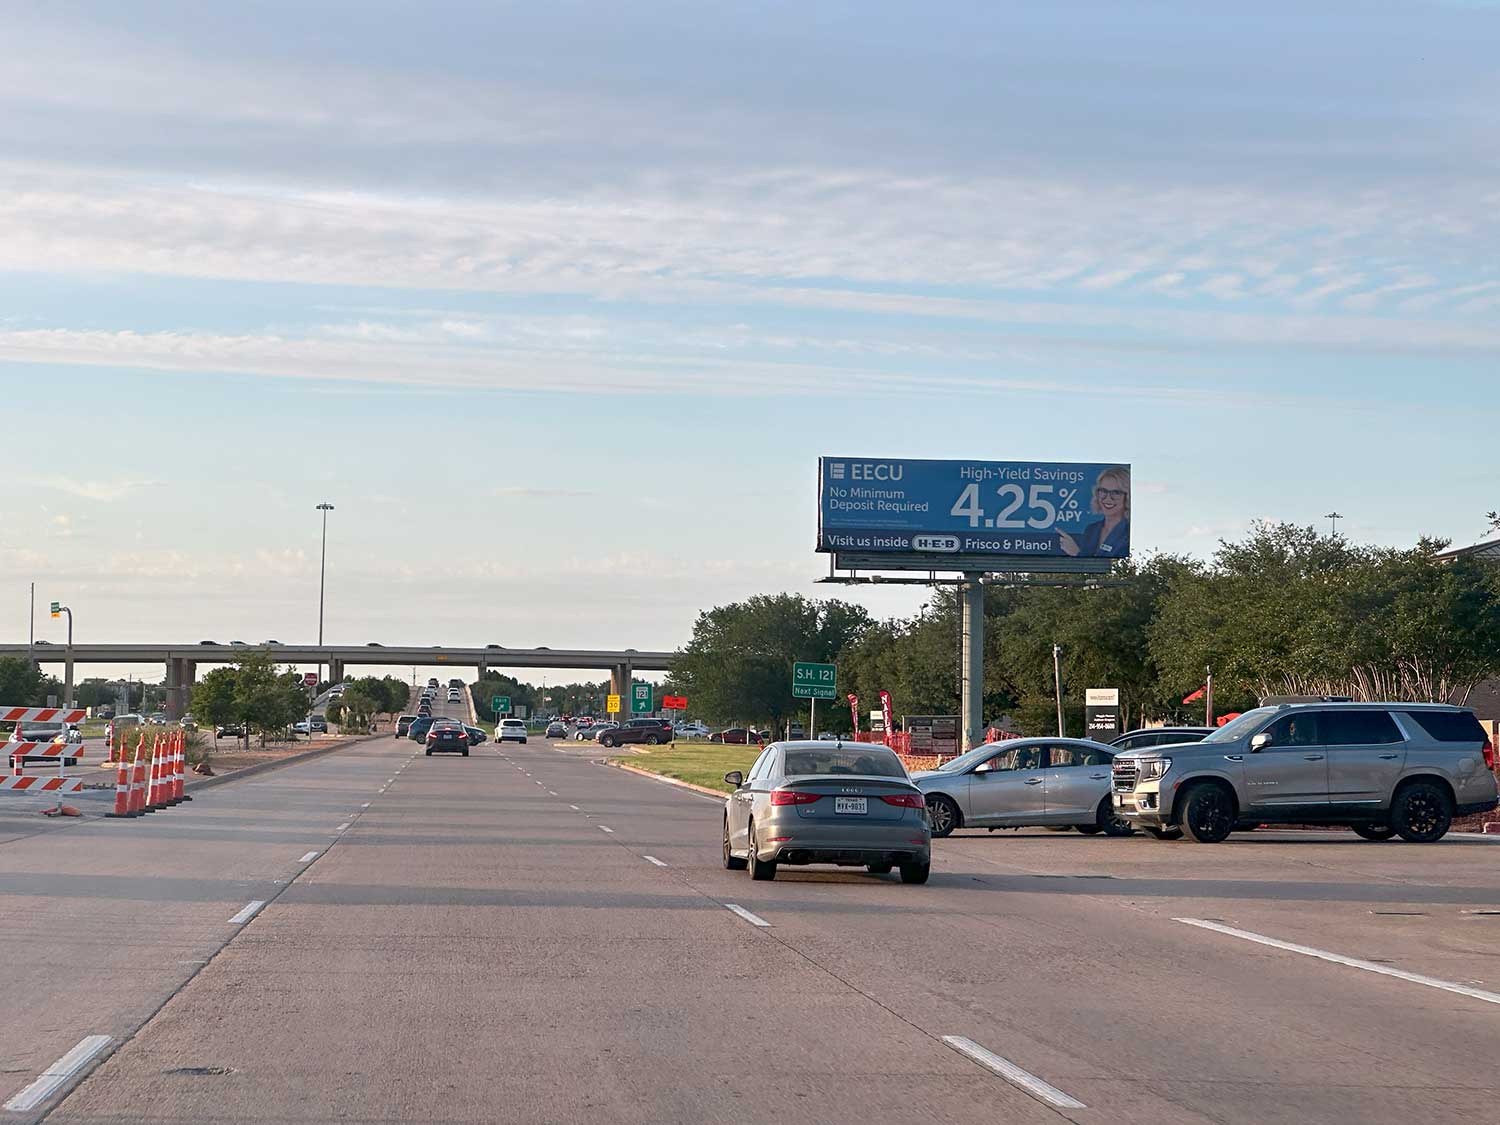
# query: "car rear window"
[[873, 762], [1448, 726]]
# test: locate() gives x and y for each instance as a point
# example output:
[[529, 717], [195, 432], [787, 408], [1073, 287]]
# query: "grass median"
[[701, 764]]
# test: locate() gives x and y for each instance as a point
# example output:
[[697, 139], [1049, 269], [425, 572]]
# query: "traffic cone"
[[169, 772], [182, 766], [122, 791], [138, 778], [109, 746], [153, 776]]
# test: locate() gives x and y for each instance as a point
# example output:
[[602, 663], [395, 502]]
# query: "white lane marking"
[[1013, 1074], [606, 828], [1349, 962], [365, 805], [247, 912], [59, 1072], [653, 859], [308, 856], [575, 808], [343, 826], [753, 919]]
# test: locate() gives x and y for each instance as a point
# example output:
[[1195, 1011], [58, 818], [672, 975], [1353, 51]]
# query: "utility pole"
[[1333, 519], [325, 507], [31, 638], [58, 609], [1057, 685]]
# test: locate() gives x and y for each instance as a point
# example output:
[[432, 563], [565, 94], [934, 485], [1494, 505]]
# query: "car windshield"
[[972, 758], [1241, 726], [875, 761]]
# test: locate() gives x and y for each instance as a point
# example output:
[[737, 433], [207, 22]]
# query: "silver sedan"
[[850, 804], [1025, 783]]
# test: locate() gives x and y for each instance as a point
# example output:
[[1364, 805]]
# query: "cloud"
[[101, 490], [540, 493]]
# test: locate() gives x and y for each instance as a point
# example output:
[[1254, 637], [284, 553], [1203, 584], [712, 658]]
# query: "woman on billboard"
[[1108, 536]]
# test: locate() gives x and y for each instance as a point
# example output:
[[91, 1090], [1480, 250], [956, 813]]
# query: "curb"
[[719, 794], [266, 767]]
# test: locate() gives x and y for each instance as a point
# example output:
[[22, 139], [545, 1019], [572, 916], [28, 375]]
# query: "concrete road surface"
[[526, 935]]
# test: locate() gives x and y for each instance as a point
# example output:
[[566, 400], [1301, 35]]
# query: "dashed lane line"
[[653, 859], [248, 911], [309, 857], [58, 1073], [753, 919], [1042, 1091]]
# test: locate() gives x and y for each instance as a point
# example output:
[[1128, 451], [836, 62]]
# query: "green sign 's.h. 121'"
[[642, 698], [814, 681]]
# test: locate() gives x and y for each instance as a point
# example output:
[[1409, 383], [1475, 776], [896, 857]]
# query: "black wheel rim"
[[1423, 813], [942, 817], [1209, 815]]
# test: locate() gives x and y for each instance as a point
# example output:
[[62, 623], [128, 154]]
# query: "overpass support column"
[[617, 684], [627, 677], [335, 671], [175, 694], [971, 723], [484, 670]]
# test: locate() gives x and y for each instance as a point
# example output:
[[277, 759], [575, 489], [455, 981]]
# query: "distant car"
[[1025, 783], [270, 642], [693, 730], [827, 736], [556, 730], [374, 644], [318, 724], [241, 644], [808, 802], [476, 736], [446, 736], [157, 718], [403, 724], [455, 683], [1160, 736], [302, 726], [493, 646], [511, 730], [417, 732], [653, 732], [208, 642], [432, 681], [736, 736], [229, 730], [41, 642]]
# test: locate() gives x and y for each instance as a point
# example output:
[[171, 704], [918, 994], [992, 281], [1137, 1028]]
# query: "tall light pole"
[[1333, 518], [325, 507], [1057, 686]]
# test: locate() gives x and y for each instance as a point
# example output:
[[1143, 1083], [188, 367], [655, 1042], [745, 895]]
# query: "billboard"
[[1101, 711], [940, 510]]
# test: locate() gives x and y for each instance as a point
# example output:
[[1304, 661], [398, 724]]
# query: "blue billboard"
[[1040, 509]]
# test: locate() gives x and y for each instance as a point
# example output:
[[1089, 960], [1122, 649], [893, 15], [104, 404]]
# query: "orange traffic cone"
[[109, 746], [182, 766], [169, 772], [122, 791], [153, 776], [138, 777]]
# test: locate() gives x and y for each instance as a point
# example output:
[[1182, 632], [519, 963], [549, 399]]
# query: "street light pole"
[[325, 507], [1057, 684]]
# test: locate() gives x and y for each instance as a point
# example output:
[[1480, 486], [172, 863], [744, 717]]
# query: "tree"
[[214, 697], [738, 665], [21, 683]]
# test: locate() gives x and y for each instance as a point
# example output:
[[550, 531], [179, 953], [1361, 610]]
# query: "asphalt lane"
[[527, 935]]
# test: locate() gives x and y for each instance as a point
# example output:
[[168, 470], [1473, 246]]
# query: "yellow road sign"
[[612, 704]]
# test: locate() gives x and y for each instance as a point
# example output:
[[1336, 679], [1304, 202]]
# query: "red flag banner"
[[1197, 695]]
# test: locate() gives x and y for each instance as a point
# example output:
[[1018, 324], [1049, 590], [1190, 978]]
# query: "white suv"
[[511, 730]]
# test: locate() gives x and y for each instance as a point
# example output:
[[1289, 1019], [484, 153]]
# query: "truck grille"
[[1125, 774]]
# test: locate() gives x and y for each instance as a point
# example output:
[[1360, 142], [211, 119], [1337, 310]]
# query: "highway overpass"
[[181, 660]]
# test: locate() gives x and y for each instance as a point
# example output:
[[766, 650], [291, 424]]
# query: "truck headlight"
[[1154, 768]]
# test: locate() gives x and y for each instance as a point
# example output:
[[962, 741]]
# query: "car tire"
[[523, 742], [732, 862], [760, 871], [606, 741], [651, 740], [915, 873], [429, 753], [1164, 833], [879, 868], [1422, 813], [1109, 823], [1378, 833], [1206, 813], [466, 753], [945, 815], [1087, 829]]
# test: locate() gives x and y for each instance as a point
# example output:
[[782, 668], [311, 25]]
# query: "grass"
[[702, 763]]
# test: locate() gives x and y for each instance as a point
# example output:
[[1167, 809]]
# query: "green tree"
[[21, 683], [738, 665], [214, 699]]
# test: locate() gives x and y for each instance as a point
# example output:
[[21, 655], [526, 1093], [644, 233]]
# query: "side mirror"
[[735, 778], [1260, 742], [982, 767]]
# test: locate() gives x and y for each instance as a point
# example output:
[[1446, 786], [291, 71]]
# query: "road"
[[527, 935]]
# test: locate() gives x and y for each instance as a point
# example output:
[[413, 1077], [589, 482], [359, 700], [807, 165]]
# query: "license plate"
[[855, 805]]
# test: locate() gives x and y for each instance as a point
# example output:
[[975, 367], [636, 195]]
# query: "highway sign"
[[674, 703], [642, 699], [57, 609], [612, 704], [500, 705], [814, 681]]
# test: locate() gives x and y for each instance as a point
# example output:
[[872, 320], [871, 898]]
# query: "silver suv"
[[1384, 769]]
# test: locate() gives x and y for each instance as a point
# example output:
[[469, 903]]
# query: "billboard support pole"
[[1057, 686], [971, 691]]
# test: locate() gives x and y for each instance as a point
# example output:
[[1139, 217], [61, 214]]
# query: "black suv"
[[652, 732]]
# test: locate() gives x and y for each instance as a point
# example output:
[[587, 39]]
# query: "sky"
[[558, 304]]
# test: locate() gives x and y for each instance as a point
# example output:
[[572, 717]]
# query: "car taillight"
[[1489, 754], [432, 736], [906, 800], [793, 797]]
